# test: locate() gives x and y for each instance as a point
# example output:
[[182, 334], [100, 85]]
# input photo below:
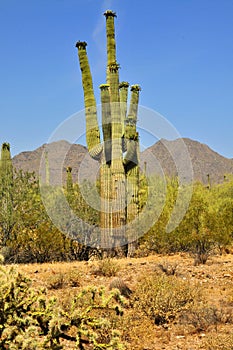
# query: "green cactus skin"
[[119, 155]]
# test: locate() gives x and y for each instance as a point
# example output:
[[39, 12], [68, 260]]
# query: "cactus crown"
[[113, 67], [135, 87], [110, 13], [123, 84], [104, 86], [81, 45], [6, 146]]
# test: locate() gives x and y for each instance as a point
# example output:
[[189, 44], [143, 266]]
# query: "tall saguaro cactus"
[[119, 152]]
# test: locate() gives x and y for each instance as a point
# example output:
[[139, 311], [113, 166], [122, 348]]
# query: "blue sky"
[[179, 51]]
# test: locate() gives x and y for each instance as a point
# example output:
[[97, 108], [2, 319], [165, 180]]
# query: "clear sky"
[[179, 51]]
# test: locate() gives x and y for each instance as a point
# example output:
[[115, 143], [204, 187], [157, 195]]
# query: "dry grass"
[[204, 324]]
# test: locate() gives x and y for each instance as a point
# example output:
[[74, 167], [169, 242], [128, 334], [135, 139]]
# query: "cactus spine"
[[119, 154]]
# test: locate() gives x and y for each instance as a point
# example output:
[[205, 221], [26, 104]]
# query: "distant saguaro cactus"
[[69, 180], [119, 152], [6, 192], [6, 167]]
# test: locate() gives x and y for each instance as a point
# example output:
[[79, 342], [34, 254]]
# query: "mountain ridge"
[[166, 155]]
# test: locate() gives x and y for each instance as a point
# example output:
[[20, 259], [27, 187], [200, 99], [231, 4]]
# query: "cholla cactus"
[[119, 153]]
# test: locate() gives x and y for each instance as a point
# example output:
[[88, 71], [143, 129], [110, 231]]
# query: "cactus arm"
[[92, 128], [111, 42], [131, 162], [106, 122], [113, 81], [131, 134], [123, 88], [133, 109], [115, 115]]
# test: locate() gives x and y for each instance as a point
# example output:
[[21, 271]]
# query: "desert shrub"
[[59, 280], [107, 267], [31, 321], [163, 297], [218, 342], [201, 316], [73, 278], [56, 281], [167, 268]]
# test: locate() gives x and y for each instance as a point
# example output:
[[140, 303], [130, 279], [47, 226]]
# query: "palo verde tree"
[[118, 154]]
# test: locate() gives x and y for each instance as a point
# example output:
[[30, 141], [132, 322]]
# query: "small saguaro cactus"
[[69, 181], [6, 192], [119, 151], [6, 166]]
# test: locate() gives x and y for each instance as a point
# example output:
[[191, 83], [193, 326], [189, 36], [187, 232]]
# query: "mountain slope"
[[204, 160], [61, 154], [165, 156]]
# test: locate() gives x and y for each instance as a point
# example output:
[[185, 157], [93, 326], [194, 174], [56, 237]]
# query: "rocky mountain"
[[175, 157], [164, 157], [60, 155]]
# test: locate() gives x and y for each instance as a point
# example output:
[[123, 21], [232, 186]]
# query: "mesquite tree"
[[119, 152]]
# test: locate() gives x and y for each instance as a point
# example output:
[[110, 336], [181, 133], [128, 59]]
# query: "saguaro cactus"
[[119, 152], [6, 192], [69, 181]]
